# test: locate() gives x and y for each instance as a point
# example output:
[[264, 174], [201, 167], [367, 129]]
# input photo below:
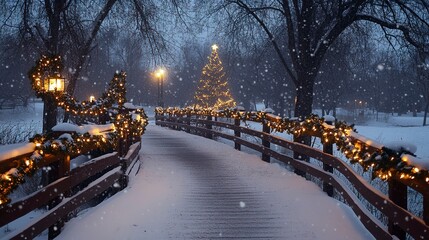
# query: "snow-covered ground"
[[399, 129], [32, 115]]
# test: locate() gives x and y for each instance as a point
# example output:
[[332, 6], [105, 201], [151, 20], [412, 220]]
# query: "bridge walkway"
[[189, 187]]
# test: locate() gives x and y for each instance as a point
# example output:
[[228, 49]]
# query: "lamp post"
[[52, 85], [160, 76]]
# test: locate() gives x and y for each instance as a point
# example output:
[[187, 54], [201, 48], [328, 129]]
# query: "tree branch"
[[270, 36], [405, 31]]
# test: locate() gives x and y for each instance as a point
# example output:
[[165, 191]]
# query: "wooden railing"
[[68, 190], [394, 206]]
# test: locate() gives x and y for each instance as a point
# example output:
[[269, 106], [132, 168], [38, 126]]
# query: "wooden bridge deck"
[[189, 187]]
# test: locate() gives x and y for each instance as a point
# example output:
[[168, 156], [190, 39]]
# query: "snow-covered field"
[[32, 113], [399, 129]]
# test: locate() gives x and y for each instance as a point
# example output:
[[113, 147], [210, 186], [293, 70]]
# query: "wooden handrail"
[[100, 174], [406, 221]]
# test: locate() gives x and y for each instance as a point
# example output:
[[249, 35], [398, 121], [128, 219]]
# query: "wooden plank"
[[7, 164], [132, 153], [237, 133], [265, 143], [369, 221], [40, 198], [398, 194], [65, 207], [407, 221]]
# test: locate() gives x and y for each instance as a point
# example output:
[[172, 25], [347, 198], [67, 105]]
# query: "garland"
[[43, 69], [114, 94], [128, 124], [383, 162]]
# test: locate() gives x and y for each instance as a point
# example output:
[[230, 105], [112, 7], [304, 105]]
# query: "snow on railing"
[[384, 161], [16, 150]]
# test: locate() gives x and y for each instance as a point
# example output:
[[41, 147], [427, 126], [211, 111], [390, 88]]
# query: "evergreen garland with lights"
[[127, 124], [384, 163], [213, 91], [44, 68]]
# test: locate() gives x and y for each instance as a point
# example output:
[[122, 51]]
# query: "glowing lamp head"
[[54, 84], [215, 47], [159, 73], [92, 98]]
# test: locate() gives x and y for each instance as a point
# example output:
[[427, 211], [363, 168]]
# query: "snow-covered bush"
[[15, 132]]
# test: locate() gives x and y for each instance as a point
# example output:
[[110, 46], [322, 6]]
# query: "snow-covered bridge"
[[190, 187]]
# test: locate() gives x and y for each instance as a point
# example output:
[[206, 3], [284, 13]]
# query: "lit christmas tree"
[[213, 91]]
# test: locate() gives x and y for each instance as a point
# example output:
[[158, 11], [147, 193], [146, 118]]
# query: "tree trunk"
[[426, 113], [49, 113], [304, 95], [303, 109]]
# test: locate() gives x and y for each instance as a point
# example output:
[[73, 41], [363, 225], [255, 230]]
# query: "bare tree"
[[423, 80], [71, 27], [313, 25]]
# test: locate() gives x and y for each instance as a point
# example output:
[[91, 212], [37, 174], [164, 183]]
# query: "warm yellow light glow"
[[92, 98], [54, 84], [159, 73], [215, 47]]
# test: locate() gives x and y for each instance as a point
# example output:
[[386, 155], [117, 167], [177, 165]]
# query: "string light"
[[213, 90], [122, 118], [385, 163]]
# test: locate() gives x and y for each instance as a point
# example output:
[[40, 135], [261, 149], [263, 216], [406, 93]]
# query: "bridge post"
[[188, 122], [179, 119], [157, 116], [328, 148], [237, 133], [398, 194], [210, 127], [265, 143], [59, 169]]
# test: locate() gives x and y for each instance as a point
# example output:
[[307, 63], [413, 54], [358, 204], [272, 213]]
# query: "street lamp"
[[159, 74], [54, 84]]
